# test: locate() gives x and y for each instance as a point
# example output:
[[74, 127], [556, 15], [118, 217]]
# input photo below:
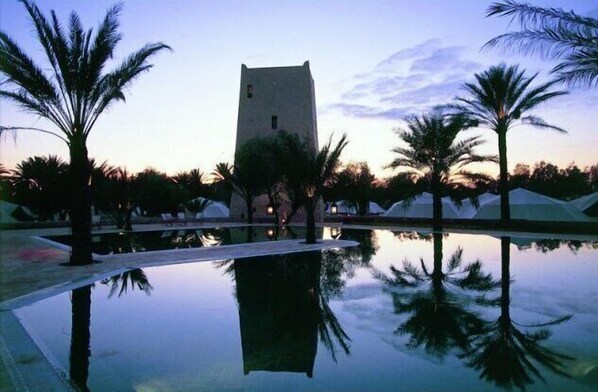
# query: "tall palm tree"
[[72, 95], [552, 33], [307, 172], [500, 99], [434, 153]]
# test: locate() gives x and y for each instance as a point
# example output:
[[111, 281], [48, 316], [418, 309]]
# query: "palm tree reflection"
[[504, 353], [436, 301], [80, 337], [121, 283]]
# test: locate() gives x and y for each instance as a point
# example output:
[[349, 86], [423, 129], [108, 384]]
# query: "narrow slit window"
[[249, 90], [274, 122]]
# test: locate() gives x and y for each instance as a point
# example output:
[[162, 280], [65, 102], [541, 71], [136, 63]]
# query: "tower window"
[[274, 122], [249, 90]]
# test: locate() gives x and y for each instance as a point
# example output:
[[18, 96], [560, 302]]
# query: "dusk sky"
[[373, 63]]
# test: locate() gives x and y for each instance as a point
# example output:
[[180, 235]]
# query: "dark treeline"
[[39, 182]]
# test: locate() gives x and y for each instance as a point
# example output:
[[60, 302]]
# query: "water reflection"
[[547, 245], [443, 315], [134, 278], [506, 353], [80, 351], [436, 303], [284, 310], [80, 337]]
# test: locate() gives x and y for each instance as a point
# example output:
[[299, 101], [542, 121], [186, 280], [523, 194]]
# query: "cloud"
[[410, 81]]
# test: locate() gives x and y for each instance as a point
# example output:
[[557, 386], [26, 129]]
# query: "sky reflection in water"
[[402, 311]]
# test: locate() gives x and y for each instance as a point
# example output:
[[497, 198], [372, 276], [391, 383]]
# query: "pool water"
[[143, 241], [404, 311]]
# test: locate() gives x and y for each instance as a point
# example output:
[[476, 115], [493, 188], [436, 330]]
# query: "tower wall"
[[286, 93]]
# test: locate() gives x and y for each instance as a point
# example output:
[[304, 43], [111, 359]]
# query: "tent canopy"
[[214, 209], [587, 203], [528, 205], [468, 210], [421, 207]]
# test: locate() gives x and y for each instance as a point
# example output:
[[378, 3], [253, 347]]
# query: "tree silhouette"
[[307, 172], [74, 94], [434, 153], [39, 182], [500, 99], [552, 33]]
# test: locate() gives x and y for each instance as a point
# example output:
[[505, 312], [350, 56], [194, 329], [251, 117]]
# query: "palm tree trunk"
[[310, 222], [80, 336], [80, 173], [437, 272], [436, 205], [503, 185], [249, 206], [505, 301]]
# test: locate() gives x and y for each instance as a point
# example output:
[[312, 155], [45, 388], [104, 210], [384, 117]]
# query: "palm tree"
[[552, 33], [244, 181], [73, 95], [307, 172], [38, 183], [500, 99], [193, 181], [434, 155]]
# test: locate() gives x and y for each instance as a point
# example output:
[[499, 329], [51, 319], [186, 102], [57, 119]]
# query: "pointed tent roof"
[[528, 205], [375, 208], [214, 209], [468, 210], [586, 203], [421, 207]]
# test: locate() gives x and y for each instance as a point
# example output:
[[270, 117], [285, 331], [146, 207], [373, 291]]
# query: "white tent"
[[468, 210], [421, 207], [527, 205], [375, 209], [7, 209], [216, 210], [586, 202]]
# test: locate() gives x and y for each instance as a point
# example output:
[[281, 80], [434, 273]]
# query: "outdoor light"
[[335, 232], [333, 209], [270, 234], [310, 191], [270, 209]]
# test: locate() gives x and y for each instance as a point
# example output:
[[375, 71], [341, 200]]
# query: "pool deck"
[[30, 270]]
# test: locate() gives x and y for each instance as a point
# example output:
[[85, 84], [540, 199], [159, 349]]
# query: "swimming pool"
[[181, 238], [404, 311]]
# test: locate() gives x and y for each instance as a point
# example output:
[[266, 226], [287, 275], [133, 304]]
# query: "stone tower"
[[273, 99]]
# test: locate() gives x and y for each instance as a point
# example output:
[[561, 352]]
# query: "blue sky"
[[373, 62]]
